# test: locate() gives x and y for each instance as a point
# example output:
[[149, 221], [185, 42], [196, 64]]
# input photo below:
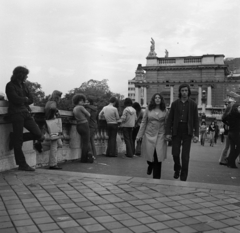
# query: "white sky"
[[65, 43]]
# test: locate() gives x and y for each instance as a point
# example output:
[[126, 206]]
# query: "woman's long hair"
[[56, 96], [153, 105]]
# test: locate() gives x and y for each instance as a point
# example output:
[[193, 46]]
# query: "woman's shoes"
[[56, 167]]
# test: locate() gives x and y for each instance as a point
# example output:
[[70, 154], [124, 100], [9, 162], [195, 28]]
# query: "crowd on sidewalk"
[[151, 130]]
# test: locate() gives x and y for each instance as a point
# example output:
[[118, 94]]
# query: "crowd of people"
[[152, 128]]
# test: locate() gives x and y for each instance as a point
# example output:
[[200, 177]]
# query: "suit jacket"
[[174, 118]]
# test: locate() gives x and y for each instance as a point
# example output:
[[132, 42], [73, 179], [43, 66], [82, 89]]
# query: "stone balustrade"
[[71, 149]]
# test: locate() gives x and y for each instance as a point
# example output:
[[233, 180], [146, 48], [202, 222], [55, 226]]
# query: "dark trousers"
[[215, 137], [92, 143], [127, 135], [83, 130], [182, 139], [234, 140], [134, 136], [112, 137], [222, 138], [20, 121], [155, 166]]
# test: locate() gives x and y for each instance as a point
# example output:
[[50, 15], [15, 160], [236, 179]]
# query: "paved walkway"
[[73, 202]]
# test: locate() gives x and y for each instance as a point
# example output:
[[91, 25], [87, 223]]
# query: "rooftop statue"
[[166, 53], [152, 49]]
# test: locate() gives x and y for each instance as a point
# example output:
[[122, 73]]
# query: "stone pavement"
[[73, 202]]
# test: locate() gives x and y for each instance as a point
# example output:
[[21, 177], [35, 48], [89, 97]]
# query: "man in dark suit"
[[182, 126]]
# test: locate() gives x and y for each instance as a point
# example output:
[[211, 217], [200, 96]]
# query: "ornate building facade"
[[207, 76]]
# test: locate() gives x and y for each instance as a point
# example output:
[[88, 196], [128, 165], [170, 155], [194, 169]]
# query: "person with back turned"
[[20, 98], [182, 125]]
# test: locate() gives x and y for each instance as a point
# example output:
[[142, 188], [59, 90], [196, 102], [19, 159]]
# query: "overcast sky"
[[67, 42]]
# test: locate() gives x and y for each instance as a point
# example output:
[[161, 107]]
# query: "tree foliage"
[[39, 98]]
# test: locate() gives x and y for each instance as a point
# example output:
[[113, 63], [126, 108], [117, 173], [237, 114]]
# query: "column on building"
[[171, 94], [144, 96], [199, 96], [209, 97], [137, 94]]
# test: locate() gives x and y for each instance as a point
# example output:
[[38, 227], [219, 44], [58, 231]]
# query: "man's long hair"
[[153, 105], [182, 86], [19, 74]]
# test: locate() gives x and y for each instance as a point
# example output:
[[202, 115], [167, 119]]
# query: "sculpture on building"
[[152, 49], [166, 53]]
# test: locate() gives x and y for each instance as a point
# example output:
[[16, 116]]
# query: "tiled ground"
[[68, 202]]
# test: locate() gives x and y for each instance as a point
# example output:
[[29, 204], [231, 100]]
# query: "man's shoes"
[[149, 170], [225, 164], [26, 168], [176, 175], [10, 145], [56, 167], [38, 147], [232, 166]]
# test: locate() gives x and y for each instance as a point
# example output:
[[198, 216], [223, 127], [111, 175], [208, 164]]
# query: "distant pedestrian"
[[20, 97], [216, 134], [152, 133], [203, 131], [92, 121], [110, 113], [81, 115], [182, 125], [51, 112], [136, 128], [211, 130], [128, 120]]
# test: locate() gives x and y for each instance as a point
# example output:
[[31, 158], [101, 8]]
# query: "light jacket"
[[152, 132], [128, 117]]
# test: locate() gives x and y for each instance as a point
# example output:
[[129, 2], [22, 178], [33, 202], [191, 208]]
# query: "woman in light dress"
[[152, 134]]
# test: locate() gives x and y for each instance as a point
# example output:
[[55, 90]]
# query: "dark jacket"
[[92, 120], [174, 118], [19, 97], [232, 119]]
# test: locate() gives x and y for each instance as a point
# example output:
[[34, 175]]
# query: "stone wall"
[[71, 149]]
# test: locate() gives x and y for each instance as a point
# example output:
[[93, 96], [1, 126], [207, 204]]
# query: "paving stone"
[[201, 227], [114, 211], [66, 224], [9, 230], [231, 221], [138, 214], [157, 226], [94, 228], [86, 221], [121, 230], [203, 218], [74, 230], [80, 215], [103, 219], [185, 229], [23, 222], [27, 229], [5, 225], [97, 213], [48, 226], [130, 222], [162, 217], [4, 218], [140, 229], [43, 220], [120, 217], [173, 223], [57, 212]]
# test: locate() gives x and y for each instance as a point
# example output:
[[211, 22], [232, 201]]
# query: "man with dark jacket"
[[182, 125], [20, 98]]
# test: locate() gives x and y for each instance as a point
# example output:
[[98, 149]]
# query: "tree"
[[99, 91], [39, 98]]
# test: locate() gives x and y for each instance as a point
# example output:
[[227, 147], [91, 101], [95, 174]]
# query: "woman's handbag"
[[138, 148], [54, 127]]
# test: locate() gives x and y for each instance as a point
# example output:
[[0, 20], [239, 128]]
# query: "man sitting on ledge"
[[20, 98]]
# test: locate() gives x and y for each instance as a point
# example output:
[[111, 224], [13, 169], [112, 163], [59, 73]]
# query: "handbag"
[[54, 127], [138, 148]]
